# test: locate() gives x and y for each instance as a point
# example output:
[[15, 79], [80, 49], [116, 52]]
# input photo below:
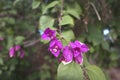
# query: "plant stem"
[[60, 16], [99, 18]]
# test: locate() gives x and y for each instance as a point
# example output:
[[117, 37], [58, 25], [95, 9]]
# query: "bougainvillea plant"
[[74, 64]]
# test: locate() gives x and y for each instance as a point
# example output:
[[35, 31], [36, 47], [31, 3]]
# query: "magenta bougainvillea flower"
[[11, 51], [22, 53], [79, 59], [14, 49], [55, 47], [17, 47], [84, 48], [74, 52], [67, 55], [78, 47], [48, 34]]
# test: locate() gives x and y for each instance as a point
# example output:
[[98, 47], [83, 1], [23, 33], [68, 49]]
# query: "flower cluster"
[[14, 49], [72, 52]]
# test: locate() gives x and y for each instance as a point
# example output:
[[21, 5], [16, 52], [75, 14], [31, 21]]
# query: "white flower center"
[[55, 49]]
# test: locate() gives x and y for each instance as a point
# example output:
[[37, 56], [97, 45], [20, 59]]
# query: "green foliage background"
[[20, 21]]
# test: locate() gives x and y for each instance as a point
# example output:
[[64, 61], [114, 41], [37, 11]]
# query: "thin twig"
[[99, 18], [86, 77], [60, 16], [31, 43]]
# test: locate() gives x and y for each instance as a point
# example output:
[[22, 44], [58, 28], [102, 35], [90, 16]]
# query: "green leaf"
[[0, 72], [68, 35], [105, 45], [14, 12], [95, 73], [46, 21], [73, 13], [114, 56], [77, 8], [19, 40], [114, 35], [1, 61], [67, 20], [85, 61], [15, 2], [71, 71], [9, 20], [10, 41], [52, 4], [74, 9], [35, 4], [92, 49], [10, 31], [44, 41], [95, 36]]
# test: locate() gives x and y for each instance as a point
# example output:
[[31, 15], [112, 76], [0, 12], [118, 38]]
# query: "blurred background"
[[98, 27]]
